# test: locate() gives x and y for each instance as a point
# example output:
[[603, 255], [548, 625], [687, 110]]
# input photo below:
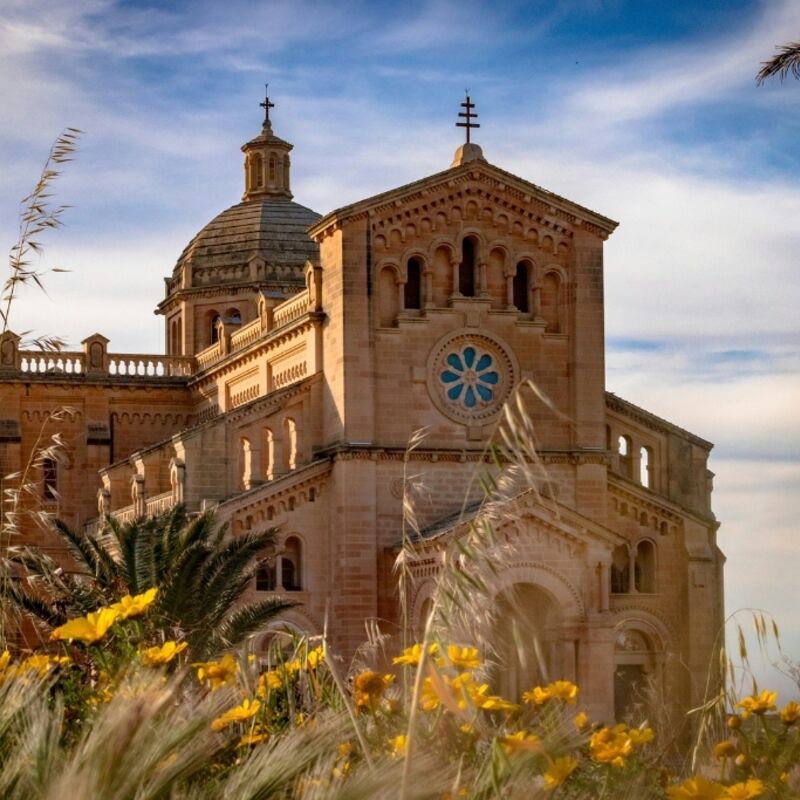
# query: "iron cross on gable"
[[468, 105], [266, 105]]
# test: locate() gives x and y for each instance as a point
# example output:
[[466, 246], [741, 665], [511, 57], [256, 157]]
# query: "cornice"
[[651, 421], [530, 194]]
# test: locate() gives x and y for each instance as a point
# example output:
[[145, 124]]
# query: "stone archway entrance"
[[528, 645]]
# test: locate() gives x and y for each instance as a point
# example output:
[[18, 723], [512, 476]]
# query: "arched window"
[[625, 460], [292, 564], [413, 287], [246, 463], [256, 171], [272, 169], [214, 331], [49, 479], [521, 287], [645, 567], [268, 455], [620, 571], [551, 301], [466, 269], [388, 300], [646, 467], [265, 578], [233, 316], [635, 675], [289, 444]]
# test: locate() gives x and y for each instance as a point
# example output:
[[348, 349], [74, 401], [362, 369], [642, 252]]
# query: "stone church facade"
[[301, 353]]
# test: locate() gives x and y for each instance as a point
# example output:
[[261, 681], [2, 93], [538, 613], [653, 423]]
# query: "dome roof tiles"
[[273, 229]]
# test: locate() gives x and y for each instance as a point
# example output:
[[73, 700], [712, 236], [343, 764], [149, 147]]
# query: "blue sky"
[[644, 111]]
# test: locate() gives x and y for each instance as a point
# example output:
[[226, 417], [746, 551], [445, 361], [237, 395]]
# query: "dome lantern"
[[266, 162]]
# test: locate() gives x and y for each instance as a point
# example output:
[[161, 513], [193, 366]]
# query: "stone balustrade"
[[246, 334], [158, 504], [292, 309], [150, 366], [94, 361]]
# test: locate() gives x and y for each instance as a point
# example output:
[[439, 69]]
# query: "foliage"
[[103, 718], [787, 60], [200, 574]]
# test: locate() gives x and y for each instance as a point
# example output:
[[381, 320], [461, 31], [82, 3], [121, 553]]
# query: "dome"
[[270, 232]]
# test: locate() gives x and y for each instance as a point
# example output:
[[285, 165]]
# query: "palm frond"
[[787, 60], [244, 622]]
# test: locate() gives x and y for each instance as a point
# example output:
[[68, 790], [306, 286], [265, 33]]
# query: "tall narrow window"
[[268, 455], [272, 167], [50, 479], [646, 467], [466, 270], [265, 578], [644, 568], [625, 460], [620, 571], [521, 284], [413, 288], [289, 444], [214, 331], [551, 300], [291, 565], [245, 463], [286, 173]]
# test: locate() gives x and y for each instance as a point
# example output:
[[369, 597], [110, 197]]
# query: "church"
[[302, 352]]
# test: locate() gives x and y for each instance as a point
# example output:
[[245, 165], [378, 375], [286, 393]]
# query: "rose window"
[[470, 377]]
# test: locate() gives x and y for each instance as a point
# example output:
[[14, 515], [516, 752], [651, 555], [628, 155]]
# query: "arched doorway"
[[635, 674], [529, 622]]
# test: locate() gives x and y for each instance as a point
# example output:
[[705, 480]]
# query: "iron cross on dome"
[[468, 105], [267, 105]]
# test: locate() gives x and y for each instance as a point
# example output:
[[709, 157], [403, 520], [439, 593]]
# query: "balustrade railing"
[[34, 362], [158, 504], [291, 309], [246, 334], [150, 366]]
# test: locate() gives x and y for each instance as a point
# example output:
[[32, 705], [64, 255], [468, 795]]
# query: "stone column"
[[483, 288], [428, 276], [454, 265]]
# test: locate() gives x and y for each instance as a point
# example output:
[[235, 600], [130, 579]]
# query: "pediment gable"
[[471, 188], [561, 528]]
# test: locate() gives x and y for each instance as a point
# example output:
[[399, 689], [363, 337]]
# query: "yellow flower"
[[611, 745], [563, 690], [490, 702], [341, 771], [40, 664], [581, 720], [758, 704], [87, 629], [734, 722], [463, 657], [314, 659], [5, 659], [154, 656], [521, 740], [536, 696], [724, 749], [398, 745], [344, 749], [369, 686], [254, 737], [134, 606], [696, 789], [217, 673], [744, 791], [558, 771], [268, 681], [412, 655], [790, 713], [247, 710], [640, 735]]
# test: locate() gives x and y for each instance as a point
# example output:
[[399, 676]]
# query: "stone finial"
[[467, 152]]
